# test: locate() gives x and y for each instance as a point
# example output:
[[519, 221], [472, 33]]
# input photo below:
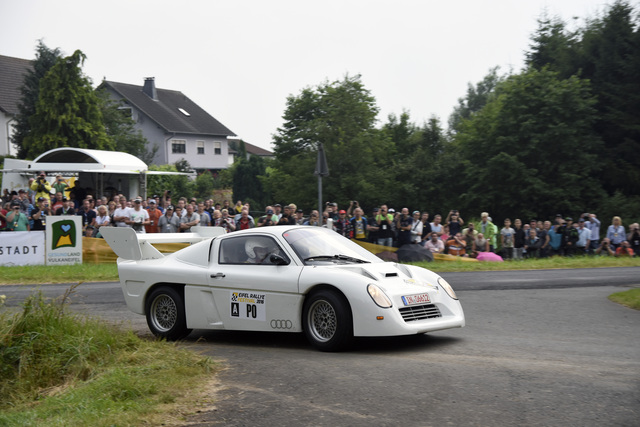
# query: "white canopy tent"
[[102, 171]]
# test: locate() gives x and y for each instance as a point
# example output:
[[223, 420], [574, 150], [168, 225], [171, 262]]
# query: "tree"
[[476, 98], [67, 112], [341, 115], [553, 47], [121, 130], [45, 59], [531, 150]]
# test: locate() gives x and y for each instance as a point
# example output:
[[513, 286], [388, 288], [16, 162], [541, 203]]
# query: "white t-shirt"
[[122, 212], [138, 217]]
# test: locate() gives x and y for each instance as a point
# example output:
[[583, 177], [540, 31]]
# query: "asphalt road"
[[543, 348]]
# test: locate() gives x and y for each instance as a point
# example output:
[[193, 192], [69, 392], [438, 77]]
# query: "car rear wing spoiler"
[[128, 244]]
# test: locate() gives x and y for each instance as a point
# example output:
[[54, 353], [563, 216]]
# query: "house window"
[[217, 147], [200, 147], [178, 146]]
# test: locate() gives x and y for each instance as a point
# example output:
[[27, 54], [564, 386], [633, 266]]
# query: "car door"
[[249, 290]]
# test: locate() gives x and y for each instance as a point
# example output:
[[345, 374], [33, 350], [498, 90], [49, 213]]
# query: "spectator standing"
[[245, 222], [454, 222], [139, 217], [426, 227], [41, 187], [518, 239], [343, 224], [205, 219], [404, 223], [268, 219], [60, 184], [225, 221], [583, 237], [300, 219], [169, 223], [314, 219], [616, 233], [67, 207], [154, 217], [189, 219], [372, 226], [88, 217], [554, 238], [542, 235], [359, 225], [16, 220], [416, 228], [593, 225], [122, 215], [506, 239], [384, 220], [39, 214], [436, 226]]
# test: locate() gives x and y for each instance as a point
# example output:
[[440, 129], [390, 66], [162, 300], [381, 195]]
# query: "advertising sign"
[[21, 248], [64, 240]]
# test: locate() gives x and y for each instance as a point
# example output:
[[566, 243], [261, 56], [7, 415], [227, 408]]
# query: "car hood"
[[391, 276]]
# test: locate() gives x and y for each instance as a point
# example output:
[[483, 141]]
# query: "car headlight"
[[447, 287], [378, 296]]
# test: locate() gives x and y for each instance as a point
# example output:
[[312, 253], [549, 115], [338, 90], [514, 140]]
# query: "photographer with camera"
[[16, 220], [41, 187], [39, 214], [455, 222], [605, 248], [634, 238]]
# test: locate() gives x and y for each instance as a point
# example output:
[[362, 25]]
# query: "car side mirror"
[[278, 260]]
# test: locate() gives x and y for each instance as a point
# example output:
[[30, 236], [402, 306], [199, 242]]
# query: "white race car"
[[280, 278]]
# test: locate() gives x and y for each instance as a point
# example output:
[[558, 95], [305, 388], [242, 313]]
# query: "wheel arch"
[[179, 287]]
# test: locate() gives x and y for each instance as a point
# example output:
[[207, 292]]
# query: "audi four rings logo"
[[281, 324]]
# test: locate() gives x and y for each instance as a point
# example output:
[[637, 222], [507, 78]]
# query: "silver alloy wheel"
[[322, 320], [164, 313]]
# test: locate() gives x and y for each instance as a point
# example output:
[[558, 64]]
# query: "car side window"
[[249, 250]]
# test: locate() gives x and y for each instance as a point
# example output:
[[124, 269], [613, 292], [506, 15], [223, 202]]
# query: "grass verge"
[[40, 274], [630, 298], [58, 368]]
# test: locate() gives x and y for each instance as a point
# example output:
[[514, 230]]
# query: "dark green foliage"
[[67, 113], [341, 115], [247, 184], [45, 59], [607, 53]]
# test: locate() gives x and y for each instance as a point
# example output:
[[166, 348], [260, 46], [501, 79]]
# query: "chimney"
[[149, 88]]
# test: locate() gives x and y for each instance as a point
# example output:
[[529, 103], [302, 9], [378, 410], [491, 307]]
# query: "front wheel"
[[166, 314], [327, 321]]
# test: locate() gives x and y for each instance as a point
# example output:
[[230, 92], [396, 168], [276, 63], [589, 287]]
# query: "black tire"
[[327, 320], [166, 314]]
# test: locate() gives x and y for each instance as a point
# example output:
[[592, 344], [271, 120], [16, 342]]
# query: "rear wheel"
[[166, 314], [327, 320]]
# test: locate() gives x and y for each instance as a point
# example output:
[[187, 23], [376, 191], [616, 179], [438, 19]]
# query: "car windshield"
[[319, 245]]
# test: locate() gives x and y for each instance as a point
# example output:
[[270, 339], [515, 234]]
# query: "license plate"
[[416, 299]]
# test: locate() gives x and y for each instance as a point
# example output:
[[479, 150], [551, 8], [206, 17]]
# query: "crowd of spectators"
[[27, 209]]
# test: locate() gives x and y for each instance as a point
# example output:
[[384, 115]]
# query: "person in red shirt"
[[154, 217]]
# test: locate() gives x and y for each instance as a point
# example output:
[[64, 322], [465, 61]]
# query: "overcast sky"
[[239, 60]]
